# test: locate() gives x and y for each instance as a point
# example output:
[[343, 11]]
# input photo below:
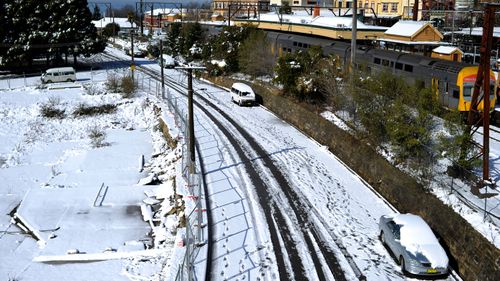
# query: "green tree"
[[83, 30], [226, 46], [174, 41], [287, 71], [409, 131], [192, 34], [330, 78], [255, 57], [50, 28], [96, 14], [111, 29], [456, 144]]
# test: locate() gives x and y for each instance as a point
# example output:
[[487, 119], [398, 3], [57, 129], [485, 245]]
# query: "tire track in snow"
[[300, 211]]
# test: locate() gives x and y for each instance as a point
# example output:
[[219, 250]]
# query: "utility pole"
[[141, 19], [191, 120], [190, 115], [132, 66], [453, 28], [483, 77], [161, 64], [354, 33]]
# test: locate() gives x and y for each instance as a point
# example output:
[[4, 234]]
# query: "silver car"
[[413, 244]]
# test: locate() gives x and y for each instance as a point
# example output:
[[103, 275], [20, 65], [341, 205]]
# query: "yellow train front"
[[466, 79]]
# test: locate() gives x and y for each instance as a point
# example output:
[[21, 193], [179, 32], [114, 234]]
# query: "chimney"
[[316, 11]]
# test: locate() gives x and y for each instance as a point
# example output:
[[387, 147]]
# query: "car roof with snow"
[[415, 230], [417, 237], [242, 87]]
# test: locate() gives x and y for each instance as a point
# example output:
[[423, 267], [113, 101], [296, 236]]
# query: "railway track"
[[277, 209]]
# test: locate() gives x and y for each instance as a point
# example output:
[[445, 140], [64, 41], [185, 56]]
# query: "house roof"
[[122, 22], [412, 43], [165, 11], [408, 28], [327, 20], [447, 50]]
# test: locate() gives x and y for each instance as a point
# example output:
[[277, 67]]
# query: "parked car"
[[59, 74], [137, 52], [242, 94], [168, 61], [413, 244]]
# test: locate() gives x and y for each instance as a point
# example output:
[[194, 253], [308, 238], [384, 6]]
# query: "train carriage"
[[451, 82]]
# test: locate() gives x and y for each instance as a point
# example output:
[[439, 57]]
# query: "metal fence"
[[194, 235]]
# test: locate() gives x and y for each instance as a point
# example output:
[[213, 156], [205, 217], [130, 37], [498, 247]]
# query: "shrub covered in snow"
[[127, 86], [124, 84], [97, 137], [52, 109], [93, 89], [113, 83], [89, 110]]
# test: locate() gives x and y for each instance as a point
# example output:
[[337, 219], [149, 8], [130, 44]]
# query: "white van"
[[168, 61], [242, 94], [61, 74]]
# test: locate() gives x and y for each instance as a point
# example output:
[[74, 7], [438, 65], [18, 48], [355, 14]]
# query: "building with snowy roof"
[[447, 53], [324, 25], [123, 23], [412, 37], [158, 18]]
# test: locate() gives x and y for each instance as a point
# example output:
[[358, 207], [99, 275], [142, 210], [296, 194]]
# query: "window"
[[376, 60], [456, 94], [373, 5], [299, 44], [385, 7], [394, 7], [468, 90], [399, 65], [294, 43], [296, 2], [366, 5], [408, 68], [385, 62]]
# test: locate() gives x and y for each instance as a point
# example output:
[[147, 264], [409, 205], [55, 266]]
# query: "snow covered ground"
[[51, 169], [82, 203]]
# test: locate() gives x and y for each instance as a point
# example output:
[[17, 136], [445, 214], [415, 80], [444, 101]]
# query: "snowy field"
[[81, 203]]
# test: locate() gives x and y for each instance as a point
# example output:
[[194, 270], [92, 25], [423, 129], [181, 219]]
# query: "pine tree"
[[77, 24], [20, 38], [192, 34], [96, 15], [34, 28], [173, 39]]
